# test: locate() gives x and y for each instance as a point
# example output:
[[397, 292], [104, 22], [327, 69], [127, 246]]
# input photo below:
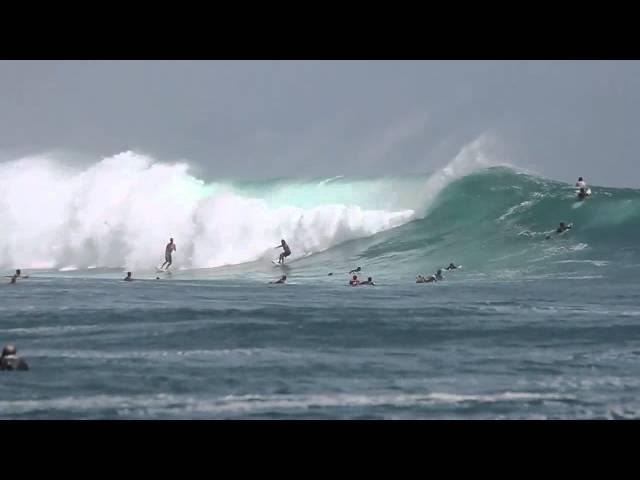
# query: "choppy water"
[[100, 348]]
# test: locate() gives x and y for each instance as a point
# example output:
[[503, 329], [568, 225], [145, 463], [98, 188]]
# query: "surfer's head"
[[18, 272], [355, 277], [9, 350], [369, 279], [580, 179], [171, 240], [284, 277]]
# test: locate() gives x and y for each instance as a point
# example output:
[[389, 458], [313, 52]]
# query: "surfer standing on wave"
[[286, 253], [583, 191], [169, 249]]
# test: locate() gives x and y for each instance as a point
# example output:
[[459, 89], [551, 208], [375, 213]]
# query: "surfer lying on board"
[[357, 270], [368, 281], [423, 279], [563, 227], [286, 253], [283, 279], [452, 267]]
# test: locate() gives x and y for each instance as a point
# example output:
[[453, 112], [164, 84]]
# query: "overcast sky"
[[308, 118]]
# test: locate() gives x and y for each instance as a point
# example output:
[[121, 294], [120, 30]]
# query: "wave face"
[[496, 221], [120, 212]]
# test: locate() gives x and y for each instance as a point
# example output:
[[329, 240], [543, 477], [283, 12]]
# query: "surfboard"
[[587, 194]]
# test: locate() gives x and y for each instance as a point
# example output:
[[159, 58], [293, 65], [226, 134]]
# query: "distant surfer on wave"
[[285, 253], [584, 191], [282, 279], [128, 278], [169, 249], [563, 227]]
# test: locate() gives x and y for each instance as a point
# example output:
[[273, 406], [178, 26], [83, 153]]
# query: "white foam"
[[121, 211]]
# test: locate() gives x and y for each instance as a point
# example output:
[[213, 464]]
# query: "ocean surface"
[[529, 328]]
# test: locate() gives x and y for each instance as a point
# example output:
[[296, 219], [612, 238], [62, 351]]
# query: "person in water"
[[169, 249], [451, 267], [357, 270], [128, 278], [563, 227], [283, 279], [10, 359], [423, 279], [17, 275], [285, 253], [368, 281], [354, 281], [438, 275]]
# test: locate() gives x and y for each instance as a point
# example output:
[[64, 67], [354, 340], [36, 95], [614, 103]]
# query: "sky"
[[260, 119]]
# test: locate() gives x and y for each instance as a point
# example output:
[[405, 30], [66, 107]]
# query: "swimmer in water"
[[17, 275], [10, 359], [354, 281]]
